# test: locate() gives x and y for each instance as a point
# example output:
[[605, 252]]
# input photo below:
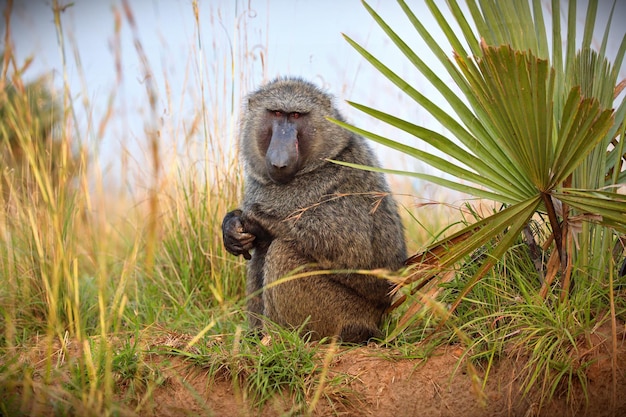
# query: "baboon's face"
[[286, 133], [285, 143]]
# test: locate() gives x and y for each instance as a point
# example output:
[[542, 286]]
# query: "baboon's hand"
[[236, 240]]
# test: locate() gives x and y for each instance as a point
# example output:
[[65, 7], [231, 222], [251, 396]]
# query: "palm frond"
[[528, 125]]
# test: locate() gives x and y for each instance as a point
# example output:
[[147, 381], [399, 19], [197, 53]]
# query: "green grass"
[[99, 289], [282, 363]]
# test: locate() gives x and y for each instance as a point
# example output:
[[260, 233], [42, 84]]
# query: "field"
[[166, 378], [117, 298]]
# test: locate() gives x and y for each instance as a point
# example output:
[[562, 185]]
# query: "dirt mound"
[[366, 381], [377, 384]]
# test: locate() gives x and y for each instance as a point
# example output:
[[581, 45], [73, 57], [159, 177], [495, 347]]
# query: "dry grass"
[[86, 262], [101, 282]]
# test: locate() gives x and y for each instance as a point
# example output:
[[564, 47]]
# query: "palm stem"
[[556, 227]]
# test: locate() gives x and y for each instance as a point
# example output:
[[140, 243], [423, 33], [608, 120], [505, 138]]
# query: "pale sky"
[[243, 43]]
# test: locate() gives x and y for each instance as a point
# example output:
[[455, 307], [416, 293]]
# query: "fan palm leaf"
[[527, 129]]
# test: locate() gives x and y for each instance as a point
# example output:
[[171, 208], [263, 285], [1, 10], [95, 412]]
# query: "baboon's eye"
[[295, 115], [276, 113]]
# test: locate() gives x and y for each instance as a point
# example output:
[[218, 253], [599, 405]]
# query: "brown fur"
[[300, 210]]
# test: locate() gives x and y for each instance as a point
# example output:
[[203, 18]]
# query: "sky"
[[236, 46]]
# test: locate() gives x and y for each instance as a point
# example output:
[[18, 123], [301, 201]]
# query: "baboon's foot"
[[358, 333]]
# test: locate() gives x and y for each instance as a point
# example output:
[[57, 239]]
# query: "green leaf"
[[453, 185], [488, 153], [515, 221], [526, 123], [476, 136], [582, 127], [515, 90], [486, 229], [610, 205], [486, 175]]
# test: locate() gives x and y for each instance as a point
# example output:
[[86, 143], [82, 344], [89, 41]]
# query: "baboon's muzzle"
[[282, 157]]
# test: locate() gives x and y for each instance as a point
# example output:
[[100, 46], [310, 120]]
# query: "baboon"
[[301, 210]]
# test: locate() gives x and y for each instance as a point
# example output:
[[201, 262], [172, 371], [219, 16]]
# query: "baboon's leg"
[[254, 286], [331, 307]]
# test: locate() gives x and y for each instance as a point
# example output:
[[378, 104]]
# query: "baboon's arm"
[[335, 234]]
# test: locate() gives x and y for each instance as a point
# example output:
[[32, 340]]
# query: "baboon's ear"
[[255, 102]]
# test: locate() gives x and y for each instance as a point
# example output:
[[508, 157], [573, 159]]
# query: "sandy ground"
[[378, 385]]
